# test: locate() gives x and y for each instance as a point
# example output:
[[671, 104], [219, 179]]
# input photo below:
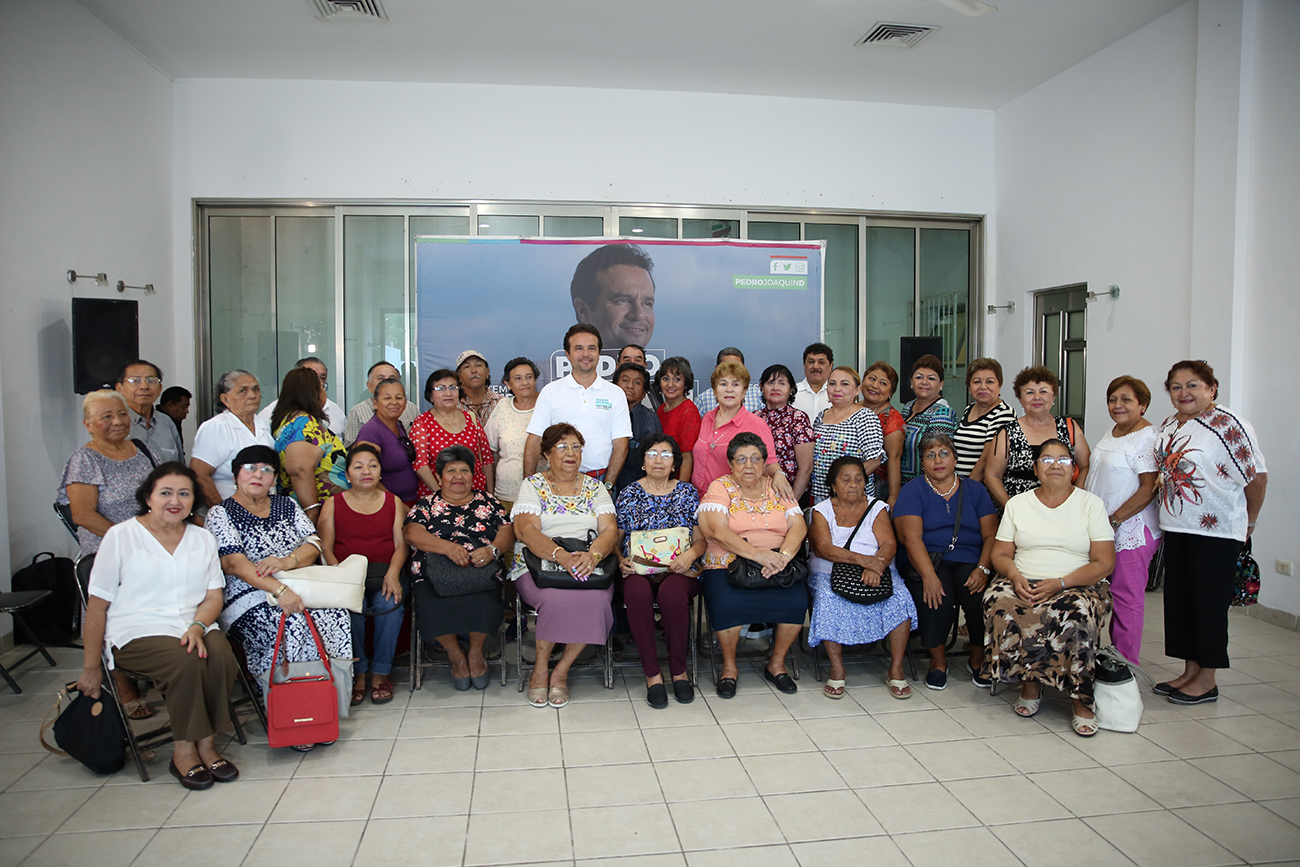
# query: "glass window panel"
[[764, 231], [945, 295], [1052, 349], [426, 225], [374, 299], [840, 304], [1074, 370], [241, 299], [304, 294], [497, 224], [574, 227], [647, 227], [439, 225], [692, 228], [890, 259], [1077, 325]]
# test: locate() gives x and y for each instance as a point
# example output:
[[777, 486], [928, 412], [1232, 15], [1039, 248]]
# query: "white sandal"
[[833, 688], [899, 689]]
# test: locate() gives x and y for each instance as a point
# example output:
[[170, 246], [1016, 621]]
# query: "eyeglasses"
[[439, 388], [746, 459], [409, 446], [656, 453], [941, 455], [1063, 461], [568, 447], [257, 469], [142, 380]]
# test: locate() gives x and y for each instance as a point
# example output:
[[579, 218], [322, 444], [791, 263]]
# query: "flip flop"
[[537, 696], [358, 693], [381, 693], [899, 688], [833, 688]]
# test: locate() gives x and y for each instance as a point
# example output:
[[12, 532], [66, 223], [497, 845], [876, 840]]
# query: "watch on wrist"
[[493, 548], [988, 573], [1114, 525]]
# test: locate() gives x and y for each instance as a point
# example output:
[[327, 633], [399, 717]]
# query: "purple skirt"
[[569, 616]]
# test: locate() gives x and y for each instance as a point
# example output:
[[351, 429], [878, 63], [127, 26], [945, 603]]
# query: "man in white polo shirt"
[[811, 395], [597, 408]]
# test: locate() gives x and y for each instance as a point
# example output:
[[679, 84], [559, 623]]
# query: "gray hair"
[[227, 380], [929, 438], [310, 359], [98, 395]]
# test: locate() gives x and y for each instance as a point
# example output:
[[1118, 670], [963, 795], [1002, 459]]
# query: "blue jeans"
[[387, 627]]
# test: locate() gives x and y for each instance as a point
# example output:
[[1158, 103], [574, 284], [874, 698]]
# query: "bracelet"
[[277, 594], [1252, 523], [200, 624], [785, 555], [294, 555], [552, 557], [312, 506]]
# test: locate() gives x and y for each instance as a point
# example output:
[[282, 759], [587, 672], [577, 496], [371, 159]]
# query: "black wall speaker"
[[105, 336], [909, 350]]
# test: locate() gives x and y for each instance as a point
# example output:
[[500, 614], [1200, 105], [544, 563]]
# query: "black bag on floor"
[[56, 619], [89, 730]]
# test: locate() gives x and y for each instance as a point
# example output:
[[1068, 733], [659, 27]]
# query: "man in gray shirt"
[[140, 382]]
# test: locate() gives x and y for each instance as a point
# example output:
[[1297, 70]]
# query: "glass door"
[[1061, 344]]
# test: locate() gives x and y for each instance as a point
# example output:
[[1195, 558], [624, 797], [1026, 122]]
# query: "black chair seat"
[[20, 600], [12, 603]]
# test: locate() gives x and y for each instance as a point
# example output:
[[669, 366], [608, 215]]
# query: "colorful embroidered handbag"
[[651, 551]]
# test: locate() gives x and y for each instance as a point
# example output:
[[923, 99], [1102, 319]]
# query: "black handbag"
[[89, 730], [846, 578], [747, 575], [548, 573], [447, 579]]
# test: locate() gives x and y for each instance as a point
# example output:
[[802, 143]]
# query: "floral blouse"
[[1205, 465], [790, 428], [638, 509], [571, 516], [761, 522], [473, 524], [331, 472], [938, 417]]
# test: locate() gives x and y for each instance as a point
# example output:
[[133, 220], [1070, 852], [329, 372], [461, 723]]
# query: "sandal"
[[138, 708], [381, 693], [1027, 707], [899, 688], [558, 697], [1084, 727], [833, 688], [537, 696], [358, 692]]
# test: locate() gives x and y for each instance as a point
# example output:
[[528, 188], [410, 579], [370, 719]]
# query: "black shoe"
[[727, 687], [936, 679], [683, 691], [196, 779], [782, 681], [1180, 697], [223, 771], [657, 696], [1163, 688], [977, 677]]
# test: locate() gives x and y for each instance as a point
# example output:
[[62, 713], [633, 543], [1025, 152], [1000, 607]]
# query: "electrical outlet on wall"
[[1283, 567]]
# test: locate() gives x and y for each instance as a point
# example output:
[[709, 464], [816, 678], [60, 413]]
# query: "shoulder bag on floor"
[[846, 578], [89, 730], [302, 709], [548, 573], [1116, 699]]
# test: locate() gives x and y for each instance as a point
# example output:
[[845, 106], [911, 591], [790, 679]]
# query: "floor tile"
[[1117, 748], [110, 848], [960, 760], [614, 785], [1028, 842], [792, 772], [1287, 808], [431, 756], [724, 824], [411, 842], [694, 742], [749, 708], [346, 759], [519, 751], [609, 832], [1093, 792], [877, 700], [876, 851], [991, 721], [1040, 752], [1255, 776], [371, 724], [259, 762], [24, 772], [207, 846], [14, 849], [782, 736], [109, 810], [1144, 839], [697, 713], [506, 838], [1001, 800], [1248, 831], [698, 779], [846, 732], [978, 848], [519, 719], [241, 803], [753, 856], [306, 844], [920, 807], [39, 812], [879, 766], [923, 727], [326, 799], [518, 791], [822, 816], [603, 748], [1265, 698], [1290, 758], [441, 722], [601, 716], [1257, 732], [665, 859], [404, 796], [1177, 784]]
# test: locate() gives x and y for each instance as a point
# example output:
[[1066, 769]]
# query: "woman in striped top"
[[982, 419]]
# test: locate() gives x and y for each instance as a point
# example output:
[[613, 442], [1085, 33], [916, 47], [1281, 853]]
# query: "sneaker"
[[936, 679], [979, 679]]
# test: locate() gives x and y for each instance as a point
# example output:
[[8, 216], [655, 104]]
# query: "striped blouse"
[[971, 436]]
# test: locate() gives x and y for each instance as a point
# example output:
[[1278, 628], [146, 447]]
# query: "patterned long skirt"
[[1054, 643]]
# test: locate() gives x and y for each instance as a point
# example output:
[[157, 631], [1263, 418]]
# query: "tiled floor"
[[953, 777]]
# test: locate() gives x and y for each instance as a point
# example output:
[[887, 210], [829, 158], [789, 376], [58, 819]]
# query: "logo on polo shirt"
[[602, 403]]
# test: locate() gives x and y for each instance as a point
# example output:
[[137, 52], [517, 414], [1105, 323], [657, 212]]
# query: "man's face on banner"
[[624, 309]]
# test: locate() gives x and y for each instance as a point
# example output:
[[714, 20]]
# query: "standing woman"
[[396, 451], [1010, 467], [220, 438], [446, 424], [312, 460], [878, 386], [846, 427], [1124, 476], [987, 414], [724, 423], [678, 415], [927, 413], [1212, 483], [792, 431], [507, 428]]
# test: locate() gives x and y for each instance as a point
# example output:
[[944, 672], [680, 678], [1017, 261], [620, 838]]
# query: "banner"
[[511, 297]]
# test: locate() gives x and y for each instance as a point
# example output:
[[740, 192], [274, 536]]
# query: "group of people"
[[887, 520]]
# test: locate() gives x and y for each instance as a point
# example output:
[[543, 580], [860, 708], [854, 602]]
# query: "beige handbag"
[[341, 586], [653, 551]]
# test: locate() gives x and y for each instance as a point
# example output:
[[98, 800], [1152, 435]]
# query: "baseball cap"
[[468, 354]]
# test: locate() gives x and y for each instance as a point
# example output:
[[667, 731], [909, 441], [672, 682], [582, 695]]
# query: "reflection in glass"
[[1052, 351], [241, 299], [647, 227], [304, 294], [497, 224], [574, 227], [710, 228], [945, 290], [840, 302], [765, 231], [374, 299], [890, 259], [1074, 370]]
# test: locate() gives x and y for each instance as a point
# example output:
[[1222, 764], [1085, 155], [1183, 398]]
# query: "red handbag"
[[302, 710]]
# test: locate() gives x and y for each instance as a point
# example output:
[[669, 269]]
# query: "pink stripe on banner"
[[651, 242]]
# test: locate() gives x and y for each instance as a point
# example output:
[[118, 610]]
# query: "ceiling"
[[800, 48]]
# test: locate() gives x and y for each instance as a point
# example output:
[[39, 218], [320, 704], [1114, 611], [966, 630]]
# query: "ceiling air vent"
[[893, 35], [349, 10]]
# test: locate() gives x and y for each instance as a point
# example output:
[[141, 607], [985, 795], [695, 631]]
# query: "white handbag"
[[341, 586], [1117, 702]]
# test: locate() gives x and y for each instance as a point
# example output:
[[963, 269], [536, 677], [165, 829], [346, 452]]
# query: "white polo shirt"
[[599, 413], [335, 418], [811, 402], [223, 436]]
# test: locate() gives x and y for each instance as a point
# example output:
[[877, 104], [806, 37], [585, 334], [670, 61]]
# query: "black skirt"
[[456, 615], [729, 606]]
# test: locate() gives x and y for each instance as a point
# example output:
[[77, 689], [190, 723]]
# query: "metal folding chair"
[[692, 639], [12, 603], [419, 662], [522, 611]]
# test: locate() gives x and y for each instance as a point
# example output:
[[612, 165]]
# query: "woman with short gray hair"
[[223, 436]]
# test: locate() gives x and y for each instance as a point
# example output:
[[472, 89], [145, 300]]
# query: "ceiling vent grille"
[[894, 35], [349, 10]]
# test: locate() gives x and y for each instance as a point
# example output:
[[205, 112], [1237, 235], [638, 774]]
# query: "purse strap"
[[51, 717], [849, 541], [279, 640], [956, 524]]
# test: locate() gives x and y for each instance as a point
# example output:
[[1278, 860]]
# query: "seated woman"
[[660, 501], [743, 515], [839, 621], [469, 527], [312, 457], [396, 451], [1054, 549], [259, 534], [155, 591], [926, 518], [563, 502], [367, 520]]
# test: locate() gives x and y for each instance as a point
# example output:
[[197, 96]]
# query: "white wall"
[[85, 143]]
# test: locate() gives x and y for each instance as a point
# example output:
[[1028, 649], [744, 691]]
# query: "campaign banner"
[[512, 297]]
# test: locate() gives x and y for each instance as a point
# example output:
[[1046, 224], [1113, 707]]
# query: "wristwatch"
[[986, 570], [1114, 525], [495, 553]]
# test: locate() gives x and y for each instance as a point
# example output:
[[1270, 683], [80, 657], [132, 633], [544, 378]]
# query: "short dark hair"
[[557, 432], [638, 347], [655, 439], [628, 365], [515, 362], [438, 376], [1038, 449], [359, 447], [984, 364], [583, 328], [935, 436], [772, 372], [1198, 366], [380, 363], [300, 392], [929, 361], [742, 439], [585, 283], [170, 468], [174, 394], [1036, 373], [452, 454], [255, 454], [1140, 390], [121, 371], [389, 380], [310, 359], [888, 370], [837, 466], [816, 348], [675, 364], [729, 350]]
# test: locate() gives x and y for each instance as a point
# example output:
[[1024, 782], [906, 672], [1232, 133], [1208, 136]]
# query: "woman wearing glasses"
[[1054, 549], [396, 450], [444, 424]]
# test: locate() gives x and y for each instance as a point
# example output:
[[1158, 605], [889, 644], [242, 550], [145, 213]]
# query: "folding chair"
[[64, 511], [12, 603], [522, 611], [692, 639], [419, 662], [715, 649]]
